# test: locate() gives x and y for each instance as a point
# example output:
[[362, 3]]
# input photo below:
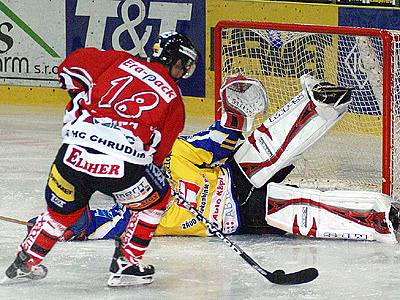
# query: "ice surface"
[[186, 268]]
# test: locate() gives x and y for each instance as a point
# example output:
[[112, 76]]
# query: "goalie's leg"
[[354, 215], [251, 201], [283, 137]]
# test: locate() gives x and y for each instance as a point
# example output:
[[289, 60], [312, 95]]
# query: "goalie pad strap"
[[356, 215]]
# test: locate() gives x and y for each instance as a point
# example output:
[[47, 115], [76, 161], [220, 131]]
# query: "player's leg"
[[252, 215], [66, 199], [283, 137], [127, 267], [95, 224], [144, 190], [356, 215], [251, 200]]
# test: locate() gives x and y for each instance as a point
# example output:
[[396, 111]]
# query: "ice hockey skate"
[[123, 273], [19, 271]]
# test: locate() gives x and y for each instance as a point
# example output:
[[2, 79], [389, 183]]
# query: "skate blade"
[[8, 281], [39, 273], [126, 280]]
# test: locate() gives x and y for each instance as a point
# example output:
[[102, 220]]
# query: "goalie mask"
[[242, 99]]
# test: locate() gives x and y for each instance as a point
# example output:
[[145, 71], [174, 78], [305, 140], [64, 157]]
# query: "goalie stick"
[[277, 277]]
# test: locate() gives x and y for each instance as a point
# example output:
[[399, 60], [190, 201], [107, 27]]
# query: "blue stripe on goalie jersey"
[[108, 223], [215, 139]]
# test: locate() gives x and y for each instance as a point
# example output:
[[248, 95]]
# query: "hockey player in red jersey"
[[121, 123]]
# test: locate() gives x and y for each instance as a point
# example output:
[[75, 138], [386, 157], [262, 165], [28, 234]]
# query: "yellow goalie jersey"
[[198, 169]]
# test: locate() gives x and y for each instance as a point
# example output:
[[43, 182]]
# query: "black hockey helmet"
[[172, 46]]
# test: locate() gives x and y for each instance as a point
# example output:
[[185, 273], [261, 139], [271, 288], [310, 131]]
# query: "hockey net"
[[362, 150]]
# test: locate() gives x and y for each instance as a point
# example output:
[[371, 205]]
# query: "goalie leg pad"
[[354, 215], [283, 137]]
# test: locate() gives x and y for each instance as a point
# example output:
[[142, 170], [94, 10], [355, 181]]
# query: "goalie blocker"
[[284, 136], [352, 215]]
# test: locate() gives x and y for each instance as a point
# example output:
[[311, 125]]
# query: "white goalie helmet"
[[242, 99]]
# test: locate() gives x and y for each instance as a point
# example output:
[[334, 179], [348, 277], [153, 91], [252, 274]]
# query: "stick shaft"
[[16, 221], [217, 232]]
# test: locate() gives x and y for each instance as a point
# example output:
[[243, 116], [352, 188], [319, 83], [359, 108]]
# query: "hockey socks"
[[44, 234]]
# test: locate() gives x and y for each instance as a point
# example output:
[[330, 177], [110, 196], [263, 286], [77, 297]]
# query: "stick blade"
[[303, 276]]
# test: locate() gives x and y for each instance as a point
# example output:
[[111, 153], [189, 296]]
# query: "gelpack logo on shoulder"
[[134, 25]]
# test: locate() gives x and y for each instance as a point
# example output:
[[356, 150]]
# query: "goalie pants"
[[69, 190], [252, 201]]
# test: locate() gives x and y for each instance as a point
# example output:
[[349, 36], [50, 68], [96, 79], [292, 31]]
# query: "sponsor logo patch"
[[189, 191], [59, 186], [99, 165], [136, 193], [57, 201], [145, 203], [151, 78], [217, 203]]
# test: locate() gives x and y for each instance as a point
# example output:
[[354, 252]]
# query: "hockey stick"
[[277, 277], [16, 221]]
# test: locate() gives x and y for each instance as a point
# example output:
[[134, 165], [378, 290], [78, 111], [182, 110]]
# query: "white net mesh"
[[350, 155]]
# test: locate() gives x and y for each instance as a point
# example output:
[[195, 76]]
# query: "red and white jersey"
[[124, 106]]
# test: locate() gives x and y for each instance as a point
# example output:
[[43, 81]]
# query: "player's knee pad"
[[283, 137], [356, 215], [66, 220], [78, 229]]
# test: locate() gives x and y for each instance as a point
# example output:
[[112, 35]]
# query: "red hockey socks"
[[48, 228], [139, 232]]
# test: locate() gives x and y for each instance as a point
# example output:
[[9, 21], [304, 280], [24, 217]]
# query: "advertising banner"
[[35, 36], [133, 26], [369, 2], [32, 41]]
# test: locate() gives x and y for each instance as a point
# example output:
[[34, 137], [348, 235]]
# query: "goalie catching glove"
[[241, 99]]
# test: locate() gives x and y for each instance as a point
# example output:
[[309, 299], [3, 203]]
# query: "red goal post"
[[362, 150]]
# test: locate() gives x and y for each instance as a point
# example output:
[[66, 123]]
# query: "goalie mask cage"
[[362, 150]]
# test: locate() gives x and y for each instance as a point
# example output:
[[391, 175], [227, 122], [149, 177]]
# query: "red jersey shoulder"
[[83, 67]]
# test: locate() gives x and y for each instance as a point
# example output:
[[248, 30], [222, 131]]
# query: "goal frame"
[[387, 39]]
